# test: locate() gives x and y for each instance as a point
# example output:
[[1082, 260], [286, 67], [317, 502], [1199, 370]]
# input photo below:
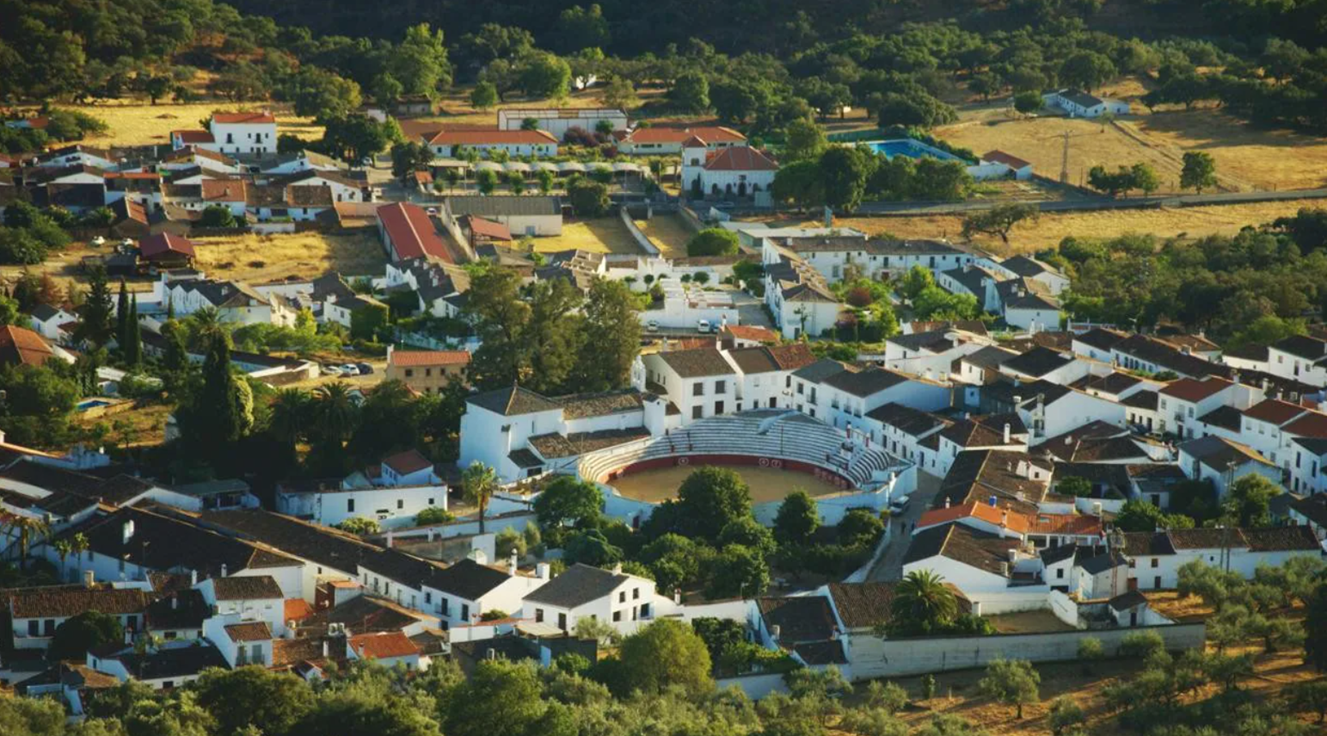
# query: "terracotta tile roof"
[[408, 462], [243, 118], [249, 631], [697, 363], [411, 231], [193, 136], [1193, 390], [154, 246], [1006, 517], [1312, 424], [246, 588], [453, 137], [513, 401], [751, 332], [667, 134], [63, 601], [19, 345], [740, 158], [485, 228], [1064, 524], [1000, 157], [225, 190], [409, 358], [383, 645], [1274, 411], [862, 605]]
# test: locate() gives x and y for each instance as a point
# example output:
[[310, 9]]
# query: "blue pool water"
[[910, 148], [91, 404]]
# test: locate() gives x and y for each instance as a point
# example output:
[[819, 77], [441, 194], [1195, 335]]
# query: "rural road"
[[909, 209]]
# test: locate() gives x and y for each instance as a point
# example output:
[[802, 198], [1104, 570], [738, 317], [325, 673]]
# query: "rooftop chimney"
[[512, 563], [223, 570], [946, 501], [617, 568], [1004, 518], [128, 531], [1006, 433], [326, 653], [193, 578], [677, 596], [543, 571], [174, 602]]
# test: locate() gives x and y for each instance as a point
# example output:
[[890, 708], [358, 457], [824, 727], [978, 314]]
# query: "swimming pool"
[[910, 148], [90, 404]]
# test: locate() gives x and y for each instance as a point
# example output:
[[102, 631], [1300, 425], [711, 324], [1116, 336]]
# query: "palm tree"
[[479, 482], [290, 413], [78, 544], [204, 323], [335, 410], [923, 602], [27, 529], [63, 547]]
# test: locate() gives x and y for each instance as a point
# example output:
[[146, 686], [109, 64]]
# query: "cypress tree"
[[131, 347], [216, 411], [95, 313], [122, 315]]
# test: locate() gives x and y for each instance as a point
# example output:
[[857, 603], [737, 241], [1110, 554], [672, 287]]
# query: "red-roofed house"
[[481, 230], [21, 346], [408, 232], [1183, 404], [181, 138], [447, 141], [243, 132], [233, 194], [1018, 167], [661, 140], [388, 648], [166, 250], [426, 371], [745, 336], [734, 171]]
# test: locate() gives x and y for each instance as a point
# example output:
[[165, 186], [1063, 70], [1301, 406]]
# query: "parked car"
[[652, 325], [703, 326], [364, 369], [98, 241], [899, 505], [331, 370], [350, 369], [432, 211]]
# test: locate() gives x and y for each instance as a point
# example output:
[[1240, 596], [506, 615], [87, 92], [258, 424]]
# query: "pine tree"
[[216, 419], [131, 345], [95, 314]]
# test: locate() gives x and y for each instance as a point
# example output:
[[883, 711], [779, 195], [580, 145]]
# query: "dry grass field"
[[136, 123], [262, 258], [141, 427], [767, 484], [601, 235], [1051, 228], [1259, 159], [669, 232]]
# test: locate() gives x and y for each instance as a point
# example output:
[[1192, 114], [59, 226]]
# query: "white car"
[[432, 211], [899, 505], [703, 326], [331, 370], [98, 241], [652, 325], [350, 369]]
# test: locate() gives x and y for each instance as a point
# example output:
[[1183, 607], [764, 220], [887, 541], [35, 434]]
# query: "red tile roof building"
[[408, 232], [21, 346]]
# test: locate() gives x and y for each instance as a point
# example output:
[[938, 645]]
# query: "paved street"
[[890, 566]]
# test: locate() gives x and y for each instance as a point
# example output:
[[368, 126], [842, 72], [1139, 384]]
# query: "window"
[[645, 610], [562, 621], [400, 504], [465, 611], [622, 597], [1059, 573], [617, 615], [635, 593], [696, 412], [539, 615], [168, 684], [428, 372], [409, 372], [698, 389], [34, 628], [169, 635], [718, 407], [721, 387], [350, 506], [430, 502], [1155, 561], [446, 607]]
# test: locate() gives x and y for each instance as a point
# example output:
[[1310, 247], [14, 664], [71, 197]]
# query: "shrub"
[[588, 198], [713, 241], [359, 525], [1142, 644], [433, 516], [1090, 650]]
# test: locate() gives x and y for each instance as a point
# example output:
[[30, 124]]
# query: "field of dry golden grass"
[[1051, 228], [669, 232], [137, 123], [261, 258]]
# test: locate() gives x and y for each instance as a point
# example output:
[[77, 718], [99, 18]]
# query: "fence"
[[873, 657]]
